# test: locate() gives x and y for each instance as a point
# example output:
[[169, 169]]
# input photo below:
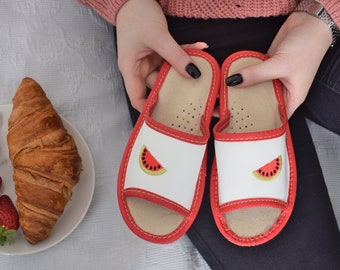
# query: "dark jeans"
[[311, 239]]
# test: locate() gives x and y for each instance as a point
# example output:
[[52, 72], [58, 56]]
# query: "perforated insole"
[[252, 108], [182, 101]]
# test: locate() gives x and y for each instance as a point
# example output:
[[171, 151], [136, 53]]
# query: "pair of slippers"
[[162, 175]]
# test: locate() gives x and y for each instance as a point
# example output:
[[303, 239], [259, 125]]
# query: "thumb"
[[268, 70], [177, 57], [254, 74]]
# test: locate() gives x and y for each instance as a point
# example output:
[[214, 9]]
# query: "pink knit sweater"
[[108, 9]]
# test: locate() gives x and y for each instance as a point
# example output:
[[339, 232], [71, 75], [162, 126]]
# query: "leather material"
[[182, 161], [236, 162]]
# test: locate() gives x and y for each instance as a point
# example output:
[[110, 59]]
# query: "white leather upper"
[[236, 162], [182, 161]]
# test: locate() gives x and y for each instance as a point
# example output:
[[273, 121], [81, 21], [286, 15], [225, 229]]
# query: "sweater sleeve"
[[108, 9], [333, 8]]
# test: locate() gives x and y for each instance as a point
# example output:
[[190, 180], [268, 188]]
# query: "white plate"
[[75, 210]]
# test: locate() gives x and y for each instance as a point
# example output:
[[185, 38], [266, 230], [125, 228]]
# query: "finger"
[[172, 52], [267, 70], [216, 112], [150, 80], [136, 90], [196, 45]]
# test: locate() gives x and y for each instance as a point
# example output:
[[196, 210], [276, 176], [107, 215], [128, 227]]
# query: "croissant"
[[46, 164]]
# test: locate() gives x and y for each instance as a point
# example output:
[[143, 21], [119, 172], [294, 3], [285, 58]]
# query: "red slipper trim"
[[253, 202], [152, 197]]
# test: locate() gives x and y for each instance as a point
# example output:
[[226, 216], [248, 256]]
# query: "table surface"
[[70, 51]]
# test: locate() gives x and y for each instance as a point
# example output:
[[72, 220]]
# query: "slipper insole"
[[252, 108]]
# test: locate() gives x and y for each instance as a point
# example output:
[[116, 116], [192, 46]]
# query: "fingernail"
[[193, 71], [234, 80]]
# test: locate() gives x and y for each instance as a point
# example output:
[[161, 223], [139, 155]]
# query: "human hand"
[[295, 56], [143, 42]]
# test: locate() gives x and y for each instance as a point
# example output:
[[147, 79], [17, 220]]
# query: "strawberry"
[[9, 220], [0, 182]]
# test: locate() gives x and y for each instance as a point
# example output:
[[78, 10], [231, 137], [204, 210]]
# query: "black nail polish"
[[234, 80], [193, 71]]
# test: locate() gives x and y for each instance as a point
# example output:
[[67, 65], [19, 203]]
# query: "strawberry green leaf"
[[7, 236]]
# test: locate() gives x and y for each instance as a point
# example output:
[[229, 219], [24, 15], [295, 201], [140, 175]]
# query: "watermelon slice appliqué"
[[270, 170], [149, 163]]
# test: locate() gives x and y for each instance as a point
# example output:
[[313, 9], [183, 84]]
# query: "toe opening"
[[153, 218], [250, 222]]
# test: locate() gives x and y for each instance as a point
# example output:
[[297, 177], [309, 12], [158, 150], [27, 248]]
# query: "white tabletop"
[[70, 51]]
